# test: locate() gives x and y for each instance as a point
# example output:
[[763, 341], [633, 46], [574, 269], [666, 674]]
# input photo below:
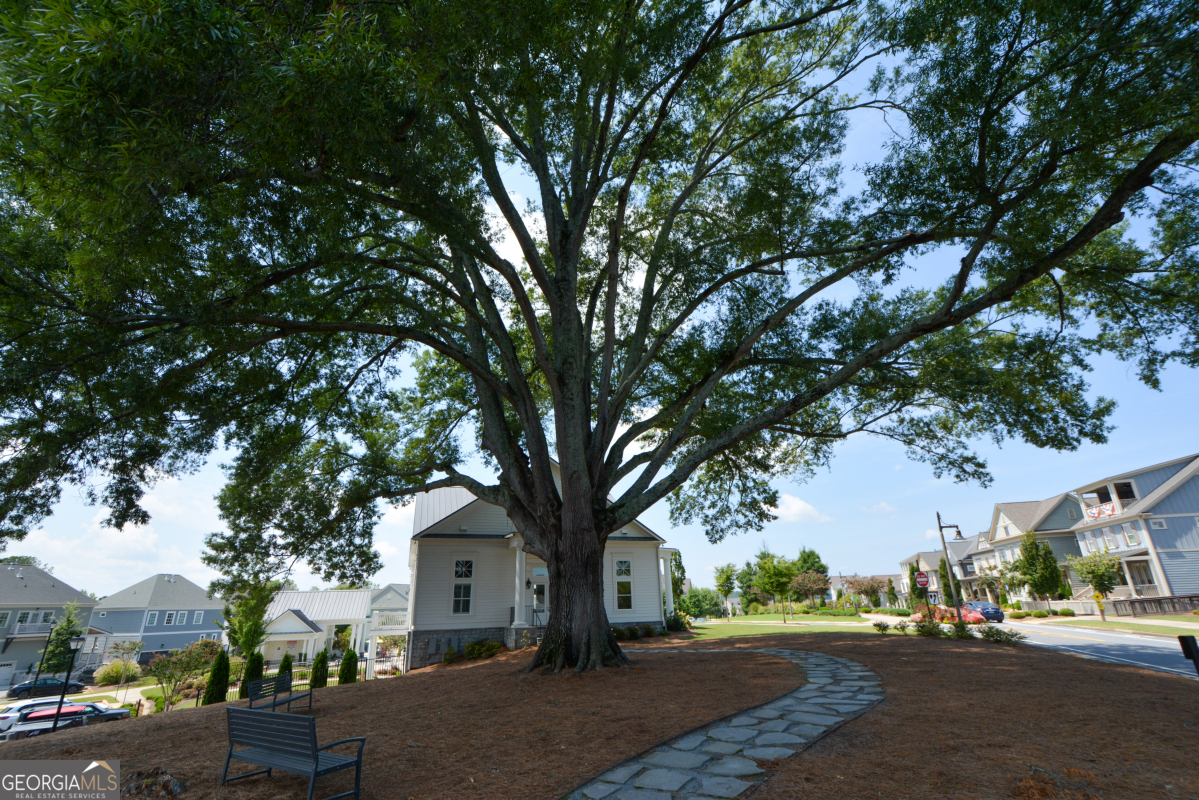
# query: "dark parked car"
[[990, 611], [43, 687], [39, 721]]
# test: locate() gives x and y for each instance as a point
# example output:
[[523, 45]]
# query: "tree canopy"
[[293, 229]]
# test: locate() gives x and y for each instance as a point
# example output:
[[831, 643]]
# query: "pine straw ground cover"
[[483, 729], [977, 720]]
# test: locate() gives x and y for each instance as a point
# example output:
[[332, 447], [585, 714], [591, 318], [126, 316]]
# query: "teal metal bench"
[[276, 691], [286, 742]]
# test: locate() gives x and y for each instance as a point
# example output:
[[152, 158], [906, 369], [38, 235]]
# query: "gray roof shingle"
[[161, 591], [35, 587]]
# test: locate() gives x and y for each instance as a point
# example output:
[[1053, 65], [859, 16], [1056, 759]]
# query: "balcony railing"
[[391, 620], [31, 629]]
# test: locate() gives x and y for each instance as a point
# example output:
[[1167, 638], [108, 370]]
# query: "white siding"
[[477, 518], [647, 596]]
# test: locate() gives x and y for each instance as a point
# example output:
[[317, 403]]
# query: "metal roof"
[[323, 605], [307, 623], [161, 591], [37, 588], [434, 506]]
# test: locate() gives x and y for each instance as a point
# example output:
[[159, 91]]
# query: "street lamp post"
[[949, 563], [76, 645]]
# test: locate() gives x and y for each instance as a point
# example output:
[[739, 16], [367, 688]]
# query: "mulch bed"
[[481, 730], [976, 720]]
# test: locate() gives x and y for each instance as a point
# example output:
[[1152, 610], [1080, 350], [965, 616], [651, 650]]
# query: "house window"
[[624, 588], [4, 615], [152, 619], [103, 614], [198, 618], [1157, 524], [1124, 491], [1112, 542], [1082, 544], [1071, 513], [181, 619], [1091, 541], [464, 574], [47, 616], [22, 618], [1130, 534], [170, 619]]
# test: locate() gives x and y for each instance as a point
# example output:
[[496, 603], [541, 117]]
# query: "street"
[[1151, 652]]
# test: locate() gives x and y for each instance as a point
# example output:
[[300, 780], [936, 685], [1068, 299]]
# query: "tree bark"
[[577, 633]]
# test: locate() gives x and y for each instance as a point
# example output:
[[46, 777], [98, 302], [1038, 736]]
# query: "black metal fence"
[[1146, 606], [370, 668]]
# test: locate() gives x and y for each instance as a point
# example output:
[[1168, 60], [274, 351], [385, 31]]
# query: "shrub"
[[110, 673], [678, 621], [755, 608], [1053, 612], [133, 708], [961, 630], [836, 612], [320, 670], [1017, 615], [253, 672], [902, 627], [160, 703], [482, 649], [217, 690], [927, 627], [881, 626], [618, 633], [1016, 605], [285, 664], [446, 658], [348, 673], [999, 635], [973, 617], [633, 632], [647, 631], [1040, 614], [1067, 612]]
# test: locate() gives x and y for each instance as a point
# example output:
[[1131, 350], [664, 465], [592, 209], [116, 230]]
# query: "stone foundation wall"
[[427, 647]]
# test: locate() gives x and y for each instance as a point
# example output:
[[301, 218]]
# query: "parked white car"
[[9, 715]]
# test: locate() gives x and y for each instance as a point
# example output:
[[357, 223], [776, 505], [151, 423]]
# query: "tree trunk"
[[577, 633]]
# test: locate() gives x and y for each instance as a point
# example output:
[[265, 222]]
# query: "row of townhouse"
[[1149, 517]]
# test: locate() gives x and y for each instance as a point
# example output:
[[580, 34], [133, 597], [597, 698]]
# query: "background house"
[[304, 623], [164, 612], [30, 601]]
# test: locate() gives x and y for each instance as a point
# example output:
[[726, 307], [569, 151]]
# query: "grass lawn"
[[727, 631], [779, 617], [1136, 627], [157, 692], [1192, 618]]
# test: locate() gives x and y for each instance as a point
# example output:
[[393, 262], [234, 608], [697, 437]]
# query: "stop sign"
[[922, 580]]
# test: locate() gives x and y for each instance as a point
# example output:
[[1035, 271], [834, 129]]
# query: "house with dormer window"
[[471, 578], [31, 602]]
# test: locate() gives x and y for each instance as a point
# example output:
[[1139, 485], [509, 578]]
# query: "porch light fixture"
[[528, 584]]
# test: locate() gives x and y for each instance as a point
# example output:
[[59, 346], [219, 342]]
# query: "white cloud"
[[931, 533], [898, 467], [793, 509], [882, 507]]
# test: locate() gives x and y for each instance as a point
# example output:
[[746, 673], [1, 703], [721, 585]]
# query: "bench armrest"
[[360, 739]]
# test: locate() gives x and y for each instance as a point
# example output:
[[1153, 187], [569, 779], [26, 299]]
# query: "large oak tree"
[[232, 223]]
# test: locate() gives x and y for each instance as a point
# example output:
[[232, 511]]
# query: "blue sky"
[[872, 508]]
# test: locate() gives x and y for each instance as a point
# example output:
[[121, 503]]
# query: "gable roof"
[[323, 604], [161, 591], [299, 615], [37, 587], [402, 589], [1147, 502]]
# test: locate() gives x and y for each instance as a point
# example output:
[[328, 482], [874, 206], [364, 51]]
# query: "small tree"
[[892, 596], [866, 587], [58, 646], [809, 561], [127, 652], [349, 668], [917, 594], [252, 672], [700, 602], [1038, 566], [726, 582], [176, 668], [245, 619], [775, 574], [989, 580], [677, 574], [217, 690], [948, 595], [1100, 570], [320, 670], [285, 664], [809, 584]]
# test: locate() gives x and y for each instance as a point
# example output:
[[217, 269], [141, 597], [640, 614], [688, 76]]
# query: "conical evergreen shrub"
[[285, 664], [217, 689], [349, 668], [320, 670], [253, 673]]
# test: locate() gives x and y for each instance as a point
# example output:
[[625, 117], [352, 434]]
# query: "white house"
[[471, 578], [304, 623]]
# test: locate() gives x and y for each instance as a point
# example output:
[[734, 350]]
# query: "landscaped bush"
[[1017, 614], [253, 672], [110, 673], [755, 608], [633, 632], [1017, 606], [881, 626], [446, 658], [482, 649], [927, 627], [1053, 612], [320, 670], [618, 633], [349, 668], [285, 664], [961, 630], [647, 631], [993, 633], [902, 627], [973, 617], [160, 703], [836, 612], [893, 612], [1067, 612], [1040, 614], [217, 688]]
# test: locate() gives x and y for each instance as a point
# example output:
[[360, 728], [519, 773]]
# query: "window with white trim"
[[22, 617], [1082, 543], [1112, 542], [181, 619], [1091, 541], [103, 614], [624, 584], [4, 615], [464, 584], [198, 618], [170, 618], [1130, 534], [47, 616], [1157, 524], [152, 618]]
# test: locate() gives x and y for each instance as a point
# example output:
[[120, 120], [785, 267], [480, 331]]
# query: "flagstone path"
[[720, 760]]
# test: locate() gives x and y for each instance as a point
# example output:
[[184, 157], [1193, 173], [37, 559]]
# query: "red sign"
[[922, 580]]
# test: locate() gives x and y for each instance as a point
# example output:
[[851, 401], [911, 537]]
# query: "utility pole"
[[949, 563]]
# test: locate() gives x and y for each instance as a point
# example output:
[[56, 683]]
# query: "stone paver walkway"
[[721, 760]]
